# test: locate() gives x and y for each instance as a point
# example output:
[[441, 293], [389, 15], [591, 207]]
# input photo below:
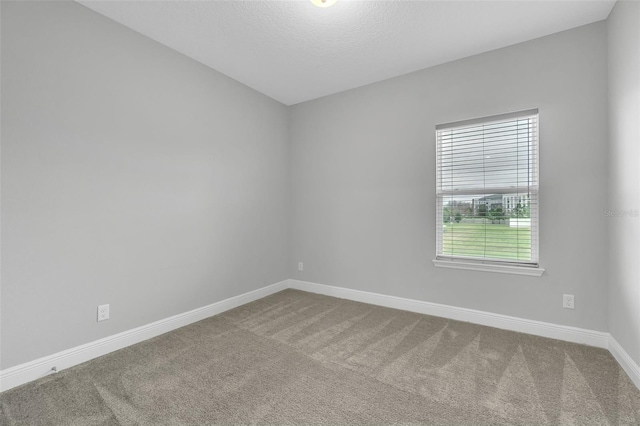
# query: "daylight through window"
[[487, 189]]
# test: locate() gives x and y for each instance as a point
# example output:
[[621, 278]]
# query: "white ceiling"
[[294, 51]]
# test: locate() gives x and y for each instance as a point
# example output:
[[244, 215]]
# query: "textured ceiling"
[[294, 51]]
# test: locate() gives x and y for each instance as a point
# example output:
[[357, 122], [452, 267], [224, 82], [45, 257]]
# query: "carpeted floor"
[[296, 357]]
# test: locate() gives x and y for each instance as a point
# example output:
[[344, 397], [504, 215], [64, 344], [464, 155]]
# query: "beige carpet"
[[296, 357]]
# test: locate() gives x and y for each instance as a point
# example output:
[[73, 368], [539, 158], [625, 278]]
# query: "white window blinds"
[[487, 189]]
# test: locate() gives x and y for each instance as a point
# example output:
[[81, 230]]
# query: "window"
[[487, 193]]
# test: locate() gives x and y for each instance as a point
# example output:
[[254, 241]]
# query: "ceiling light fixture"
[[324, 3]]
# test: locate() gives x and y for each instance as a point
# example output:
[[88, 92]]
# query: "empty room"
[[320, 212]]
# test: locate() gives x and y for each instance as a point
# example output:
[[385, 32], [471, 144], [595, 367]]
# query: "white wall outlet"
[[103, 312], [567, 301], [300, 266]]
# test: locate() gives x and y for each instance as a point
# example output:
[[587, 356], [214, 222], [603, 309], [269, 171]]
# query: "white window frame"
[[480, 264]]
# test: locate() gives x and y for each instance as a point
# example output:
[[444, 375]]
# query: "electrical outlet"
[[103, 312], [567, 301], [300, 266]]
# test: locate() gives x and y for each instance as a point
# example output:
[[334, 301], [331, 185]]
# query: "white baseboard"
[[571, 334], [625, 360], [23, 373]]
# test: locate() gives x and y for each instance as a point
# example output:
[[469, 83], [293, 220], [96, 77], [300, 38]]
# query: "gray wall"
[[134, 176], [131, 175], [624, 182], [363, 179]]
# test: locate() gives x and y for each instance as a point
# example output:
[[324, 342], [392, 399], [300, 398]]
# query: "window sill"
[[485, 267]]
